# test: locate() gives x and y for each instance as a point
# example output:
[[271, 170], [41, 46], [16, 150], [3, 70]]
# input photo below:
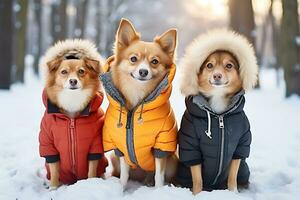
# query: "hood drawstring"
[[208, 131], [120, 124], [140, 119]]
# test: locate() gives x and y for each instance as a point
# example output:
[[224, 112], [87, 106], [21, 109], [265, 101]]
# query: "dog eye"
[[64, 72], [154, 61], [229, 66], [209, 65], [133, 59], [81, 71]]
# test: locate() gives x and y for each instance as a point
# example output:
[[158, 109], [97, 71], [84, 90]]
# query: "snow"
[[274, 161]]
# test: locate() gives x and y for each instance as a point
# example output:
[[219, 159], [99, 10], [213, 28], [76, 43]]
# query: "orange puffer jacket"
[[147, 131], [73, 142]]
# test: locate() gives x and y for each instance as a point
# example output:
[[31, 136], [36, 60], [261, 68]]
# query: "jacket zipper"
[[221, 126], [129, 137], [73, 143]]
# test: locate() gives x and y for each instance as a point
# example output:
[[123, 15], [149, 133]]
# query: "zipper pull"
[[72, 124], [221, 122]]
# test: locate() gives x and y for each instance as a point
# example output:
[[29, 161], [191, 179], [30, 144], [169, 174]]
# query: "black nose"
[[73, 82], [143, 72], [217, 76]]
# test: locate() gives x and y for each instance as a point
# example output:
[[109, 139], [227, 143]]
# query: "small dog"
[[70, 136], [212, 150], [138, 82]]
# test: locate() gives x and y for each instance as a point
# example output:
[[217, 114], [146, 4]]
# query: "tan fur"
[[219, 60], [55, 80], [162, 50], [128, 44]]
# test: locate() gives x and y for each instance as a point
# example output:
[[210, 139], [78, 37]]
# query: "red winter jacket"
[[73, 142]]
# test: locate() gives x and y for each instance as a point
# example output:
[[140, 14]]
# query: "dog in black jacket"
[[215, 136]]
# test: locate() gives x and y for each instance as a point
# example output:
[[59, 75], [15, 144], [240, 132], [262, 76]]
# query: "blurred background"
[[29, 27]]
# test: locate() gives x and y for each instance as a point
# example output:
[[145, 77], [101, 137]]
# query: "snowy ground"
[[274, 159]]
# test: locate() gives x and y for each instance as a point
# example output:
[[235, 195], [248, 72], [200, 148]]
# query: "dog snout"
[[217, 76], [73, 82], [143, 72]]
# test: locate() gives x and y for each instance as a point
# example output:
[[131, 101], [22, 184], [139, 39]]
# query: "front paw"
[[159, 181], [196, 190], [233, 188], [54, 185]]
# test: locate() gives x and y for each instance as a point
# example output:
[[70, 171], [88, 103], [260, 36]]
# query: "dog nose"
[[73, 82], [143, 72], [217, 76]]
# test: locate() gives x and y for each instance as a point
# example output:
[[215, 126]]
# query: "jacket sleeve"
[[46, 147], [243, 149], [166, 140], [189, 144], [96, 148]]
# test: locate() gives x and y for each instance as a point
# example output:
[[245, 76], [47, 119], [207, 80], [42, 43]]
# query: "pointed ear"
[[168, 41], [93, 65], [53, 65], [126, 34]]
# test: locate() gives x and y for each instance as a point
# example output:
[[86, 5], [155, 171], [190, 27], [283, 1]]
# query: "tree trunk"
[[289, 48], [242, 18], [242, 21], [58, 20], [21, 28], [38, 45], [6, 33], [98, 23], [80, 18]]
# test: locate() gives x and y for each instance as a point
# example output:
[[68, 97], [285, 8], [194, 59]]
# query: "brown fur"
[[128, 44], [219, 60], [55, 80]]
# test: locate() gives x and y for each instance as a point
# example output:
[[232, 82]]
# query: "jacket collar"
[[110, 88], [53, 109], [237, 103]]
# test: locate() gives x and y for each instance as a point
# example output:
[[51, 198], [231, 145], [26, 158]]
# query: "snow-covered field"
[[274, 159]]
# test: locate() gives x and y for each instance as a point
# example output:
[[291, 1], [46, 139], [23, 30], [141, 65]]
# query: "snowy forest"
[[29, 27]]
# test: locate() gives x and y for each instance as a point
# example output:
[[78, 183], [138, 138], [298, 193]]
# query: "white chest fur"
[[74, 101], [217, 101]]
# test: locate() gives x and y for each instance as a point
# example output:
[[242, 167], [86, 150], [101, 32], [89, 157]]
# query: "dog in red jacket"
[[71, 128]]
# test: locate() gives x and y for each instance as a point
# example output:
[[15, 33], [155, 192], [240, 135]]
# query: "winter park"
[[161, 99]]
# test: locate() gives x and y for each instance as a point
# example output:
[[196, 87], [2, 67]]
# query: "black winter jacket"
[[230, 139]]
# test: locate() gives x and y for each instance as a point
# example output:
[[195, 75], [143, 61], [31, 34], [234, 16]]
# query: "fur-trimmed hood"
[[71, 47], [204, 45]]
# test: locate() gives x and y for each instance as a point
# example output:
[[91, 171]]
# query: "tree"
[[80, 18], [21, 28], [242, 21], [289, 49], [242, 18], [58, 20], [6, 33], [38, 47]]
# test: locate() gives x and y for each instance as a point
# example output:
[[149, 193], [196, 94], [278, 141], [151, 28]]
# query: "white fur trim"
[[78, 47], [204, 45]]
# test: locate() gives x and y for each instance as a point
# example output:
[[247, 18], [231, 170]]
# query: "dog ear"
[[93, 65], [168, 41], [125, 34], [54, 64]]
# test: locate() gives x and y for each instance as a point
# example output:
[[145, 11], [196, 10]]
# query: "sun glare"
[[213, 8]]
